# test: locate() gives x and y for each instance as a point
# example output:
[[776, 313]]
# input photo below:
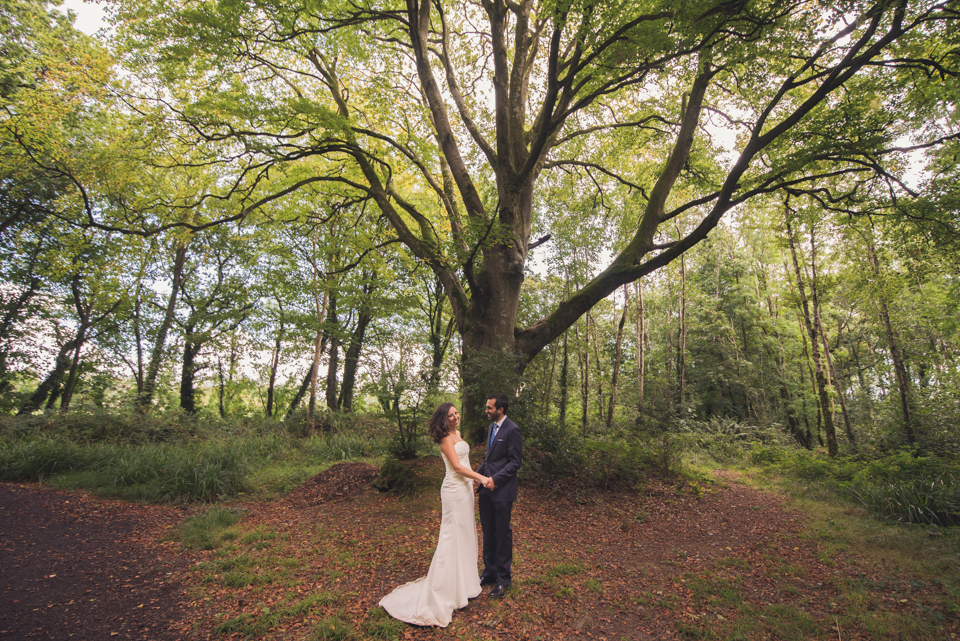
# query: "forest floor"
[[671, 559]]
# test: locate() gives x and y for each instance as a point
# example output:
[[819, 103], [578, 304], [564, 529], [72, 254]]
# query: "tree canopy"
[[452, 116], [602, 141]]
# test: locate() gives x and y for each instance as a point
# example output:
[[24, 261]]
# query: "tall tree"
[[811, 329], [618, 354], [178, 275], [393, 94]]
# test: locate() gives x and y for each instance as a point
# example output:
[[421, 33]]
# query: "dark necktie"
[[493, 433]]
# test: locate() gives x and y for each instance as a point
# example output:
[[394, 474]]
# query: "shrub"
[[172, 457], [935, 502], [395, 477], [726, 439], [406, 443], [611, 464], [35, 460], [550, 451]]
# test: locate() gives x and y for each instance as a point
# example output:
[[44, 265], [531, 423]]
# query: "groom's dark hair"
[[500, 401]]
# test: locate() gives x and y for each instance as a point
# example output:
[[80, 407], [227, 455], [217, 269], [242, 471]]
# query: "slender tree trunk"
[[221, 389], [808, 362], [545, 404], [682, 334], [188, 371], [321, 309], [230, 377], [274, 366], [835, 380], [314, 376], [565, 368], [583, 354], [814, 348], [74, 375], [803, 397], [592, 328], [333, 359], [301, 392], [440, 333], [564, 381], [617, 356], [15, 309], [138, 338], [145, 399], [351, 361], [52, 380], [899, 370], [641, 352], [818, 320]]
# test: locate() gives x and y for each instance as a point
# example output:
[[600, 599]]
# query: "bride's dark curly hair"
[[437, 425]]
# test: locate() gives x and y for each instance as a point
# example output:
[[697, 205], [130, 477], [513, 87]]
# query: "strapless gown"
[[453, 577]]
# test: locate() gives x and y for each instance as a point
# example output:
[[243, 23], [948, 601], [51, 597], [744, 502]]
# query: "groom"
[[504, 455]]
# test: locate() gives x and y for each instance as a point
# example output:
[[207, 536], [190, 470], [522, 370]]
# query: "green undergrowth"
[[899, 486], [208, 530], [164, 461], [886, 521]]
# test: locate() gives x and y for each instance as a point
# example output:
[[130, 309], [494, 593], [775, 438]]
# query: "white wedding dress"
[[453, 577]]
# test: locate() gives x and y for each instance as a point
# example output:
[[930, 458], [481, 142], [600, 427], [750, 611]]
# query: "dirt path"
[[77, 567], [672, 560]]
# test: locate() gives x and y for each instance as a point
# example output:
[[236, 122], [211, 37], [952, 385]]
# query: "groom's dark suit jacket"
[[503, 461]]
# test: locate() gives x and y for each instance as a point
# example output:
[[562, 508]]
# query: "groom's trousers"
[[497, 540]]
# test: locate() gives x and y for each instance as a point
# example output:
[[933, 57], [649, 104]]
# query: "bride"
[[452, 578]]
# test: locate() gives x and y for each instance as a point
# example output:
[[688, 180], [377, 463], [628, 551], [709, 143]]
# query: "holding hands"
[[486, 482]]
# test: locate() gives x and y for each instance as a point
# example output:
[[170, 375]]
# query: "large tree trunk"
[[814, 348], [145, 398], [491, 362]]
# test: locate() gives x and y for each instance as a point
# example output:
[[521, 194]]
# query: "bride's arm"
[[448, 449]]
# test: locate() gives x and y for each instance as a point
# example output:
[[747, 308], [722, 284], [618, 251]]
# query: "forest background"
[[727, 227]]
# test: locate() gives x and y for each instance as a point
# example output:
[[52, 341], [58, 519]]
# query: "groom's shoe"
[[487, 581], [498, 592]]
